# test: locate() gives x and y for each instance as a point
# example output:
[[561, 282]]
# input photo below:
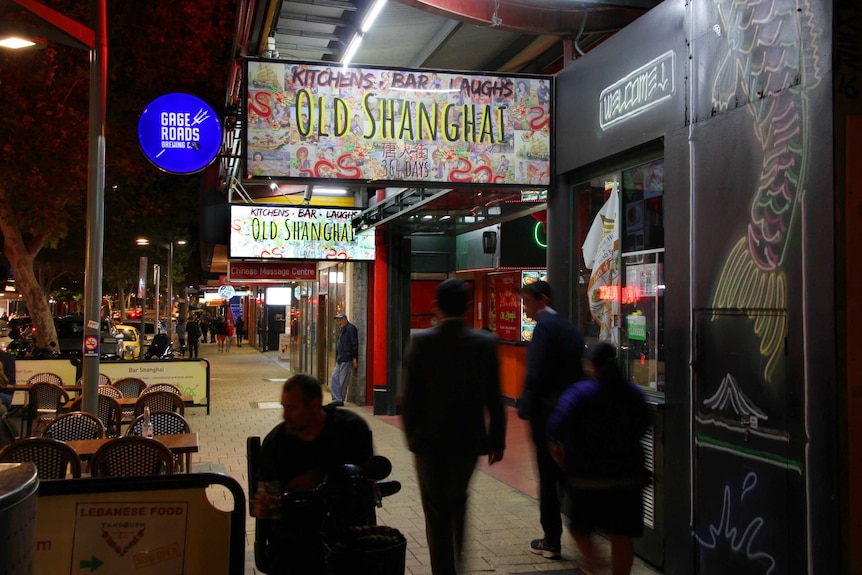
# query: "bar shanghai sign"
[[323, 122], [179, 133], [297, 233]]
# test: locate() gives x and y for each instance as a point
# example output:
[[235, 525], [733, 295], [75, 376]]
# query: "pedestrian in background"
[[595, 437], [240, 330], [453, 412], [205, 328], [219, 328], [346, 358], [193, 334], [181, 336], [553, 363], [229, 332]]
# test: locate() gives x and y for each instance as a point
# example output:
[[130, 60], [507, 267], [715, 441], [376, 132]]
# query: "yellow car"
[[131, 341]]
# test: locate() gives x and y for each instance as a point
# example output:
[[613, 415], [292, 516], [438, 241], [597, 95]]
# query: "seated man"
[[313, 441]]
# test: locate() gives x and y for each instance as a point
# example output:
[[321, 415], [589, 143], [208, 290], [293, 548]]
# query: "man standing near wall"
[[553, 363], [346, 358]]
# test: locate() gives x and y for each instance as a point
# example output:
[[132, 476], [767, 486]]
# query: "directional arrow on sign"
[[91, 564]]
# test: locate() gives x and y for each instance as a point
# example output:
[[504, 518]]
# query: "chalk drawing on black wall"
[[731, 409], [732, 530], [770, 60]]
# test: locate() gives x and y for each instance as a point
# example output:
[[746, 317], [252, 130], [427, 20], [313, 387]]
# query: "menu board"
[[504, 305]]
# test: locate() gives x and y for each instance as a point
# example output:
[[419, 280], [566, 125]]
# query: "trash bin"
[[18, 487], [371, 549]]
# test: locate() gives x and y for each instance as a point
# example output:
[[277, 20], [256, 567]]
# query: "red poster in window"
[[504, 305]]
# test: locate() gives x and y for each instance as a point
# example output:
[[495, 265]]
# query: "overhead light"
[[142, 241], [332, 192], [372, 15], [351, 49], [17, 42]]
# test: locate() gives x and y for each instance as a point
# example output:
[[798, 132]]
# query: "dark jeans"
[[551, 482], [194, 343], [443, 483]]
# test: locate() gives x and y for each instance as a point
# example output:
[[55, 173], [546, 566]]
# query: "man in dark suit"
[[451, 385], [553, 363]]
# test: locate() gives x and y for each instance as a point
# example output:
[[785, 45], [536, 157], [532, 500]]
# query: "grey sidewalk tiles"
[[245, 386]]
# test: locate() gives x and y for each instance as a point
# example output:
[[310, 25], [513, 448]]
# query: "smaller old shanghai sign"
[[297, 233]]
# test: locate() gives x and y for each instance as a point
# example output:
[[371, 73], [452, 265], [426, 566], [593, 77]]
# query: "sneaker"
[[545, 549]]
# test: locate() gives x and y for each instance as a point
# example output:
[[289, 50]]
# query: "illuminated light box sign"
[[179, 133], [297, 233], [318, 122], [267, 272]]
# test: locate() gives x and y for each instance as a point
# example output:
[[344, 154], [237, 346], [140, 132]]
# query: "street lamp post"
[[95, 40], [170, 282]]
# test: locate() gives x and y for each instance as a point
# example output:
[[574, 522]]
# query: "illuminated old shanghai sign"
[[297, 233], [179, 133], [309, 121]]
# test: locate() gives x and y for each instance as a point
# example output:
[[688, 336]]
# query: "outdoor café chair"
[[43, 404], [164, 423], [53, 458], [45, 377], [132, 456], [130, 386], [103, 380], [164, 387], [74, 426], [160, 401], [109, 411], [110, 391]]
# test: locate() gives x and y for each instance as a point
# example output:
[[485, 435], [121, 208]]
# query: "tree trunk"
[[26, 284]]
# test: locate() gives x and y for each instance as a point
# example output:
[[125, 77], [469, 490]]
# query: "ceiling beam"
[[538, 19]]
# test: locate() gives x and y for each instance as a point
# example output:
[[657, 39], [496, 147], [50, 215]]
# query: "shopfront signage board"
[[179, 133], [393, 126], [264, 232], [268, 272]]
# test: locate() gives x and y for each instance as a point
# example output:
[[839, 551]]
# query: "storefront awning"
[[448, 211]]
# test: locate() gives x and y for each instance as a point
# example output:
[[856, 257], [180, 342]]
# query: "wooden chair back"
[[160, 401], [132, 456], [74, 426], [130, 386], [53, 458]]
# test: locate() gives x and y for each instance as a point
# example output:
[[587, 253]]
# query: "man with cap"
[[553, 363], [346, 358]]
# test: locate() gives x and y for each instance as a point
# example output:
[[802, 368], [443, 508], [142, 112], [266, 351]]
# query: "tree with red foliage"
[[153, 48]]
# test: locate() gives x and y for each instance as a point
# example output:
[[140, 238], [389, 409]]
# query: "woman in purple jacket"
[[595, 435]]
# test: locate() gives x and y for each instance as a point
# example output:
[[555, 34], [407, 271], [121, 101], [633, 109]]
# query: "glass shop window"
[[621, 285]]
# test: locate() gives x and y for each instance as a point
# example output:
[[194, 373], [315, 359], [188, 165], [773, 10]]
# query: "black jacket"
[[451, 383]]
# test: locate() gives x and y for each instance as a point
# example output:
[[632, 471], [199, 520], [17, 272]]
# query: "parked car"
[[70, 337], [132, 343]]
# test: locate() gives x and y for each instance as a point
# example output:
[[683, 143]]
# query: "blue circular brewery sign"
[[179, 133]]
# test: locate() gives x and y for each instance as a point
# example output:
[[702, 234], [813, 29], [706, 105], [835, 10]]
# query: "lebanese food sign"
[[297, 233], [407, 126]]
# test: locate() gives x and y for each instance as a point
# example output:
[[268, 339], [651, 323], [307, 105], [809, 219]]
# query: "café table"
[[180, 444]]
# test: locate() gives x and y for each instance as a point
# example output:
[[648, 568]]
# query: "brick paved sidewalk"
[[245, 387]]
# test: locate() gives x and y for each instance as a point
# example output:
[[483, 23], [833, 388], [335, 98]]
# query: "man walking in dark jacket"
[[553, 363], [346, 358], [451, 389]]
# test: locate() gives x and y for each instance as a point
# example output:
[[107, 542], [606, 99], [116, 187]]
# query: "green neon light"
[[536, 235]]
